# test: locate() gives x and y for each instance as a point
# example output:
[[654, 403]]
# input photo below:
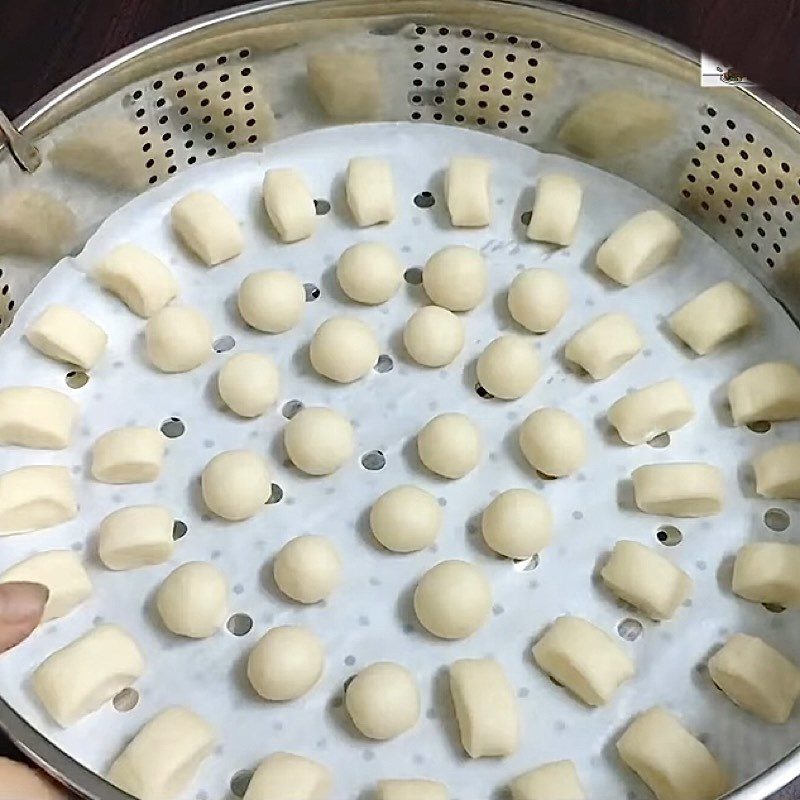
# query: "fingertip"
[[22, 602]]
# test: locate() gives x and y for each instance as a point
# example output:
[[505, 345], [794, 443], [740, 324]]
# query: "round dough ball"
[[249, 384], [508, 367], [344, 349], [450, 445], [319, 440], [553, 442], [433, 336], [271, 300], [518, 523], [383, 700], [193, 600], [406, 519], [286, 663], [178, 338], [236, 484], [453, 599], [455, 277], [307, 569], [537, 299], [369, 273]]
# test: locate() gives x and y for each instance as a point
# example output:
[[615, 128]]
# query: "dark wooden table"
[[44, 42]]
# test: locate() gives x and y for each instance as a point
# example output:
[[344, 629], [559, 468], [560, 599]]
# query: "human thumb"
[[21, 608]]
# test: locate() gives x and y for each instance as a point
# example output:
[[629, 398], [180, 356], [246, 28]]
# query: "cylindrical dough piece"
[[32, 498], [236, 484], [466, 187], [508, 367], [285, 776], [433, 336], [369, 189], [308, 569], [455, 278], [207, 227], [453, 599], [344, 349], [178, 339], [604, 345], [406, 519], [136, 536], [768, 572], [768, 392], [286, 663], [31, 416], [383, 700], [678, 490], [641, 415], [289, 204], [555, 214], [369, 272], [557, 780], [518, 523], [271, 300], [65, 334], [553, 442], [450, 445], [411, 789], [319, 440], [538, 299], [193, 600], [778, 472], [128, 455], [249, 384]]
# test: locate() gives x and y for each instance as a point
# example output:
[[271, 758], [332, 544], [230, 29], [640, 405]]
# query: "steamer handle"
[[25, 154]]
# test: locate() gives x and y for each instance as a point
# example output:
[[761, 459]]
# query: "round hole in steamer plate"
[[126, 700], [224, 343], [413, 275], [482, 393], [240, 624], [774, 608], [669, 535], [630, 629], [760, 427], [76, 379], [312, 292], [179, 530], [291, 407], [240, 782], [322, 207], [384, 364], [525, 219], [424, 200], [348, 682], [776, 519], [373, 460], [660, 442], [173, 427], [275, 496], [526, 564]]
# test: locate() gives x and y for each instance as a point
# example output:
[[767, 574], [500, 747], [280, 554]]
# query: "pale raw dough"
[[756, 677], [455, 277], [605, 345], [538, 299], [639, 247], [553, 442], [61, 572], [143, 282], [369, 272], [466, 187], [162, 759], [777, 472], [616, 122], [249, 383], [192, 601], [508, 367], [369, 188], [450, 445], [285, 776], [87, 673], [411, 789], [344, 349], [673, 763], [178, 339], [31, 416], [486, 707], [383, 700], [347, 84], [646, 579], [236, 484], [557, 780], [768, 572], [36, 497], [136, 536], [714, 316], [272, 301], [768, 392], [433, 336], [65, 334], [319, 440], [34, 223], [106, 150], [406, 519], [644, 414], [128, 455], [584, 659], [289, 204], [518, 523], [207, 227], [555, 214], [286, 663], [453, 600], [308, 569], [679, 490]]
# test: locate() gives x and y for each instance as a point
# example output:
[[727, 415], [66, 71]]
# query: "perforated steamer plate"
[[370, 617]]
